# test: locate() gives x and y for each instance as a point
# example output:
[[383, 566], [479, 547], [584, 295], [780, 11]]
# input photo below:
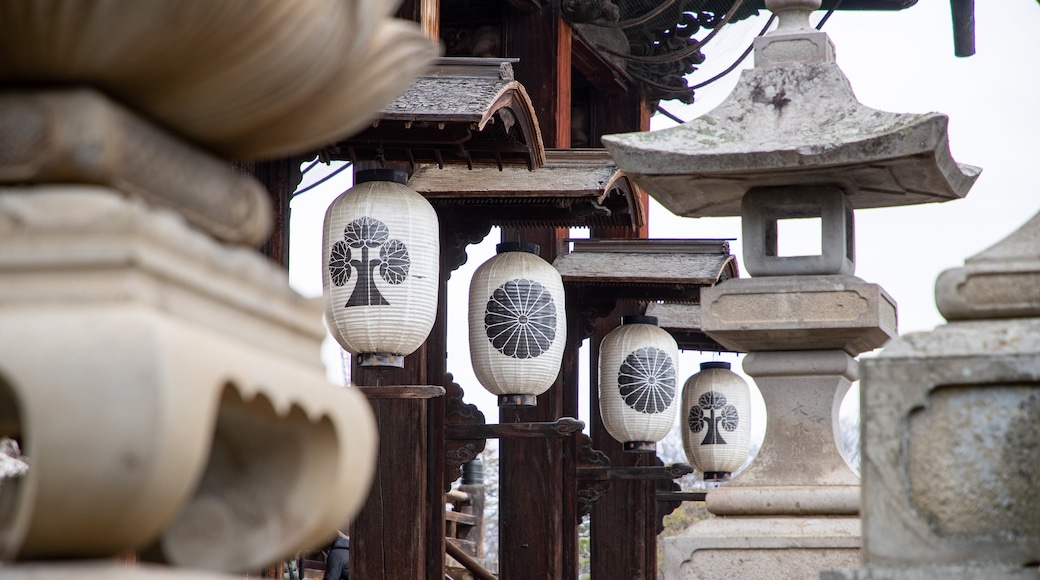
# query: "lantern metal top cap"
[[639, 319], [715, 365], [793, 120], [517, 247], [381, 174]]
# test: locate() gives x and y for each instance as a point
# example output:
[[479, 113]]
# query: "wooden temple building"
[[505, 131]]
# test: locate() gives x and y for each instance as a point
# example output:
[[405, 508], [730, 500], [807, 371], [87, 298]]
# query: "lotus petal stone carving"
[[236, 77]]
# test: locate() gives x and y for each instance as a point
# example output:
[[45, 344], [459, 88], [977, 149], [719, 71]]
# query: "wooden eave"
[[465, 111], [647, 270], [574, 188], [683, 322]]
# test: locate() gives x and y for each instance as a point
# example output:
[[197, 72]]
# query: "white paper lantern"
[[638, 394], [716, 424], [517, 324], [380, 268]]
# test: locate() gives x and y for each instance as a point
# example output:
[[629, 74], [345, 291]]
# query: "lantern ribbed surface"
[[517, 323], [380, 268], [638, 392], [716, 426]]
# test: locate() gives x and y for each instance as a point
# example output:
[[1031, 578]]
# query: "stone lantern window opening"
[[798, 237], [761, 210]]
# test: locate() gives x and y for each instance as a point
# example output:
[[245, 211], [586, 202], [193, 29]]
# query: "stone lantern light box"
[[762, 209]]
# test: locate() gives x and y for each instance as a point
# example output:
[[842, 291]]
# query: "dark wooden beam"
[[560, 428], [646, 472]]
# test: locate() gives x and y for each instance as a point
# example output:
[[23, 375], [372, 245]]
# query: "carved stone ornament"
[[167, 391], [248, 80]]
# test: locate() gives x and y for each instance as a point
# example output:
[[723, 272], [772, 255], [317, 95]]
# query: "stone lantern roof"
[[794, 120]]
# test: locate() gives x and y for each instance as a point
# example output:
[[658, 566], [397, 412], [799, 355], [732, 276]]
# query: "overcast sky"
[[896, 61]]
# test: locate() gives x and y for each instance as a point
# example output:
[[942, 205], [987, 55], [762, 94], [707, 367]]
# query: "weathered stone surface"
[[799, 470], [176, 381], [946, 413], [793, 125], [1001, 282], [993, 572], [798, 313], [761, 548], [81, 136]]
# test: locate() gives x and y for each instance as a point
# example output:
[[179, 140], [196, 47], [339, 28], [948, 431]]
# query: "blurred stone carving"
[[256, 79], [164, 381]]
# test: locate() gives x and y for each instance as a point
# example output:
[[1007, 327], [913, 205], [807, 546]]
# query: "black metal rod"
[[963, 12]]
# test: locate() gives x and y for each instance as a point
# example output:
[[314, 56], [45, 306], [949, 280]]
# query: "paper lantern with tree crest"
[[637, 382], [716, 424], [517, 324], [380, 267]]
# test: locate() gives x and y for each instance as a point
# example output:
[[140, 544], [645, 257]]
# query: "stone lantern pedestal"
[[795, 507]]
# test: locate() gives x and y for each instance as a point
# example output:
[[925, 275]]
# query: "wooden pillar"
[[541, 39], [537, 512], [537, 499], [425, 12], [623, 528], [281, 177]]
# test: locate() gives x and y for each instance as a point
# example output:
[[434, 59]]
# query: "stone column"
[[951, 445]]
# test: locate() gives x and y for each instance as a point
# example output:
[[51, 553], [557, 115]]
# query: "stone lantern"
[[792, 142]]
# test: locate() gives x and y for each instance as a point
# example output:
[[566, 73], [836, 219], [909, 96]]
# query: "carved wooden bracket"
[[456, 235], [589, 491], [457, 414], [588, 307]]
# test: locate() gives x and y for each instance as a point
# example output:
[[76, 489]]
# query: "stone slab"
[[757, 548], [90, 244], [798, 313]]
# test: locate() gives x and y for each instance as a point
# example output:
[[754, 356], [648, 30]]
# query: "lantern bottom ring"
[[520, 400], [380, 359], [716, 475], [640, 446]]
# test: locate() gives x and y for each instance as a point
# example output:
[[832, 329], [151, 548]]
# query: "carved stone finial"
[[793, 14]]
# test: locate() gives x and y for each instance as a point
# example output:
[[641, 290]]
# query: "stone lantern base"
[[762, 548]]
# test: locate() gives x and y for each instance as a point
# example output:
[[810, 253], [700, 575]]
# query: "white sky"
[[896, 61]]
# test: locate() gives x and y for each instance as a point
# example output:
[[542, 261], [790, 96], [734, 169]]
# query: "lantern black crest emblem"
[[520, 319], [711, 411], [647, 380], [366, 234]]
